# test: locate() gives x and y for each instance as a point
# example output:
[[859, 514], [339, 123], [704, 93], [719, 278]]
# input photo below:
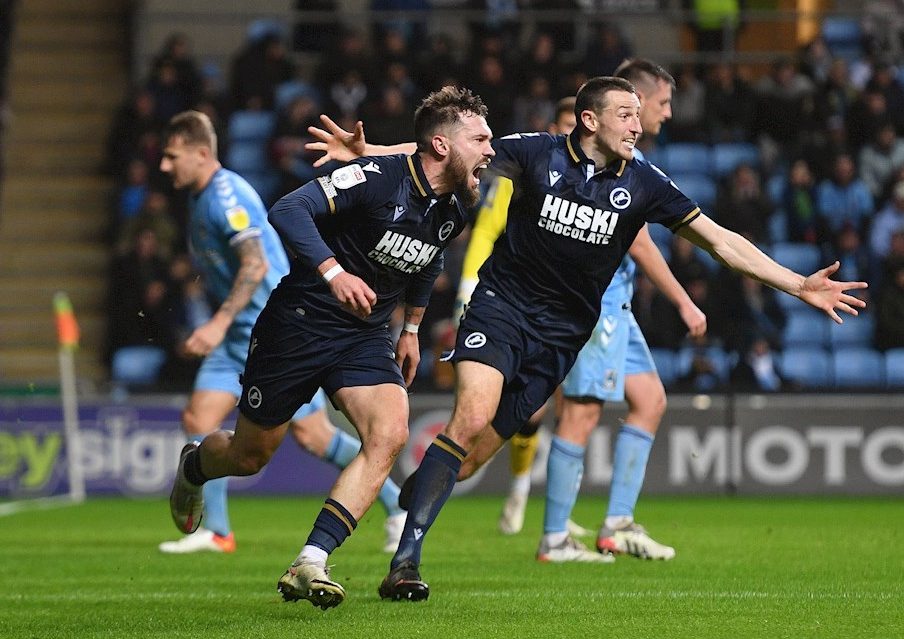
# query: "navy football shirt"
[[569, 226], [381, 220]]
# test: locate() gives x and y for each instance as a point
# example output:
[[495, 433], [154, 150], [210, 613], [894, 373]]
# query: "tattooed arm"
[[252, 269]]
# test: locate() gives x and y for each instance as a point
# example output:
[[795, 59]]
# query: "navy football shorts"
[[495, 333], [286, 364]]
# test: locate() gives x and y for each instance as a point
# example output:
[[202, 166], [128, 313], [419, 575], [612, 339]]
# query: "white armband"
[[332, 272]]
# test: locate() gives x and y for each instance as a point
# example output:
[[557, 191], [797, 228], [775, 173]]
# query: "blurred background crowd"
[[805, 157]]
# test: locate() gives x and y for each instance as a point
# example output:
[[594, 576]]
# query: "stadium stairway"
[[68, 75]]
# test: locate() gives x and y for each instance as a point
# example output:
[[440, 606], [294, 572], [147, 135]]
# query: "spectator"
[[689, 116], [888, 221], [835, 94], [754, 311], [438, 66], [136, 306], [176, 51], [390, 119], [890, 306], [294, 163], [804, 223], [742, 206], [756, 369], [606, 51], [134, 193], [852, 252], [259, 67], [728, 104], [155, 216], [134, 123], [881, 158], [170, 95], [656, 316], [844, 198], [535, 108], [784, 108]]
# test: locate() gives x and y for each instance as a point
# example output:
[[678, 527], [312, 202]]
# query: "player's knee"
[[387, 441]]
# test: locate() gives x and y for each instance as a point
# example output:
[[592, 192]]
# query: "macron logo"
[[418, 533], [554, 176], [399, 212]]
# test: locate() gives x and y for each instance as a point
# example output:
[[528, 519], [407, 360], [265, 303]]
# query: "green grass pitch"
[[769, 567]]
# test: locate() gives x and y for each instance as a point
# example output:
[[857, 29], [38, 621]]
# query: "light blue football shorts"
[[221, 370], [616, 348]]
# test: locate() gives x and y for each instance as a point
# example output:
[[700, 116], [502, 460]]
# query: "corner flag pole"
[[68, 334]]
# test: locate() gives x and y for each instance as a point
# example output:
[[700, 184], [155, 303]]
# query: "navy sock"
[[192, 468], [433, 483], [332, 526]]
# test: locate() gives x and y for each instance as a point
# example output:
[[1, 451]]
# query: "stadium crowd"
[[807, 161]]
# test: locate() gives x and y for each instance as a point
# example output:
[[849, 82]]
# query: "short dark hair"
[[443, 109], [592, 94], [194, 127], [643, 72]]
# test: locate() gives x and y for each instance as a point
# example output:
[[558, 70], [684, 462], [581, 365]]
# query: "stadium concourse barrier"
[[708, 444]]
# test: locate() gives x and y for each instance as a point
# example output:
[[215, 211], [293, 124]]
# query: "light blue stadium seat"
[[727, 155], [894, 368], [255, 126], [802, 258], [700, 188], [687, 157], [137, 365], [807, 366], [858, 367], [777, 227], [288, 91], [856, 331], [664, 358], [806, 327], [843, 37], [247, 157]]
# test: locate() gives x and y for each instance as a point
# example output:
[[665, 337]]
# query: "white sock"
[[312, 555], [618, 521], [555, 538], [521, 484]]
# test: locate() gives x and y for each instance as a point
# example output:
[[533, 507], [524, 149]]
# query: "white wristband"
[[333, 272], [410, 328]]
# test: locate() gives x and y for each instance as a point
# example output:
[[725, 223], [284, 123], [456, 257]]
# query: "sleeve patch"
[[238, 218], [327, 185], [348, 176]]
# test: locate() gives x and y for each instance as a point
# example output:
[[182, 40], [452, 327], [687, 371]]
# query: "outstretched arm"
[[338, 144], [648, 257], [739, 254]]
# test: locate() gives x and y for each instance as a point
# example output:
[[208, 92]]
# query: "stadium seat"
[[727, 155], [288, 91], [843, 37], [858, 367], [664, 358], [137, 365], [662, 237], [687, 157], [256, 126], [700, 188], [247, 157], [777, 227], [856, 331], [807, 366], [894, 368], [802, 258], [806, 327]]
